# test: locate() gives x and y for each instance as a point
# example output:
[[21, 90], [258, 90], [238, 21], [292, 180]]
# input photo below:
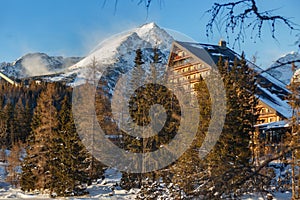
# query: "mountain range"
[[113, 57], [37, 64], [282, 69]]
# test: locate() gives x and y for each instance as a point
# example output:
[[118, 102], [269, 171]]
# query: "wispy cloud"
[[34, 65], [91, 39]]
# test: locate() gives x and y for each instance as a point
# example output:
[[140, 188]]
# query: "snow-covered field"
[[276, 196], [104, 189]]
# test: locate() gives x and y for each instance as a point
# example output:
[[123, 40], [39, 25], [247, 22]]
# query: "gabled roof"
[[271, 91], [196, 51], [214, 51]]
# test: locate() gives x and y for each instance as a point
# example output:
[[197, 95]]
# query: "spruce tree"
[[230, 159], [143, 98], [14, 162], [137, 77], [36, 170], [68, 165], [190, 171], [3, 129], [20, 122], [154, 66], [9, 121], [134, 144], [95, 167], [26, 123], [294, 141], [221, 172]]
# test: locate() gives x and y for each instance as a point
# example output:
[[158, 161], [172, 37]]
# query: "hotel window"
[[264, 110]]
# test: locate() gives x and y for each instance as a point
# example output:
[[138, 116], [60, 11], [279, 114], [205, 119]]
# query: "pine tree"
[[26, 123], [190, 172], [14, 162], [56, 162], [220, 173], [8, 112], [143, 98], [68, 165], [36, 172], [136, 81], [21, 122], [294, 101], [231, 155], [134, 144], [154, 66], [3, 128]]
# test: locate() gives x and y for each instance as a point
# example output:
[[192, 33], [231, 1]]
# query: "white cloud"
[[34, 65]]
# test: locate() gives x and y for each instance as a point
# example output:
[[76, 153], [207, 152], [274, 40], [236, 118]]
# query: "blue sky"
[[73, 28]]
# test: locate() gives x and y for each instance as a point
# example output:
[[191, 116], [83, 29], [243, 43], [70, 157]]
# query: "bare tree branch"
[[280, 64], [287, 62], [239, 15], [147, 3], [265, 163]]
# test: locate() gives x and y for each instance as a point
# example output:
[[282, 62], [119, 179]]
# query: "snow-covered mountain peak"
[[148, 26], [30, 55], [37, 64], [155, 35], [114, 56], [287, 57], [109, 51], [144, 30], [282, 69]]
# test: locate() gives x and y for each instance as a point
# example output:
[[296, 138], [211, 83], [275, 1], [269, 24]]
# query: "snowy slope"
[[145, 36], [115, 52], [116, 55], [108, 188], [124, 45], [36, 64], [283, 72], [102, 189]]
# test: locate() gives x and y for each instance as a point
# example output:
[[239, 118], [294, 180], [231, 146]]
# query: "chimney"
[[222, 44]]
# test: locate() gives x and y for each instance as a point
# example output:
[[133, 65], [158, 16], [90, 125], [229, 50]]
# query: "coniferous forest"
[[47, 154]]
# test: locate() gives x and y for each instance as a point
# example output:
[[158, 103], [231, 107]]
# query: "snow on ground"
[[97, 191], [276, 196], [105, 189], [281, 171], [102, 189]]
